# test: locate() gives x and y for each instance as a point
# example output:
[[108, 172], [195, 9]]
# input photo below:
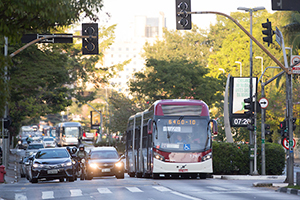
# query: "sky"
[[122, 12]]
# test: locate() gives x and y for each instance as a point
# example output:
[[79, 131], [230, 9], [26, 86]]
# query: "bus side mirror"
[[214, 127], [150, 126]]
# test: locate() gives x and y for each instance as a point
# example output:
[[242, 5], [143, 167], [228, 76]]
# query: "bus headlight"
[[207, 157], [158, 156]]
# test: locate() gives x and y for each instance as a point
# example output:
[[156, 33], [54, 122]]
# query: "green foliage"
[[23, 16], [233, 159], [121, 109]]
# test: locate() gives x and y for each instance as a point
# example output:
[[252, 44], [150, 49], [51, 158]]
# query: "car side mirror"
[[122, 157]]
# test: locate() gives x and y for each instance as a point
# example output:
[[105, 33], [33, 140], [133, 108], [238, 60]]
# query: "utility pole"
[[263, 84]]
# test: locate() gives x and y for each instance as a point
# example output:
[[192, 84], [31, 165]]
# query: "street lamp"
[[262, 65], [251, 10], [238, 62]]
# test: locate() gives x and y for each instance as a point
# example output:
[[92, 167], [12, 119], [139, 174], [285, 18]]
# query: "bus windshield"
[[182, 134], [71, 132]]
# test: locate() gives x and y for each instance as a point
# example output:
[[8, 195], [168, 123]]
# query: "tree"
[[25, 16], [176, 79], [175, 68], [43, 80], [121, 108]]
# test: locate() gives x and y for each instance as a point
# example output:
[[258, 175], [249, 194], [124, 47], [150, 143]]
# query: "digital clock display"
[[239, 122]]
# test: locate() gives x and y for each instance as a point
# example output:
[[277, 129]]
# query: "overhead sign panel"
[[26, 38], [286, 5]]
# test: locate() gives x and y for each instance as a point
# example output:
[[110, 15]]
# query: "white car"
[[88, 136], [49, 142]]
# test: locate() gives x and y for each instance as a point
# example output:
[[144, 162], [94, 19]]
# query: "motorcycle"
[[81, 171]]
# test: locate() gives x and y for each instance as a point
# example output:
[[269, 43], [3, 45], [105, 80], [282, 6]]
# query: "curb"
[[289, 191], [249, 177]]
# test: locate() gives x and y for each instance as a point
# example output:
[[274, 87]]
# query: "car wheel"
[[34, 180], [71, 179], [120, 176], [61, 179], [89, 177]]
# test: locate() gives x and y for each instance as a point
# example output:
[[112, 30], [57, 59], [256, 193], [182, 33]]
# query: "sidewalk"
[[12, 172]]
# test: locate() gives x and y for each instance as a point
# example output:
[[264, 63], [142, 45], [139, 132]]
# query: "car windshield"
[[53, 153], [35, 146], [104, 155], [48, 139]]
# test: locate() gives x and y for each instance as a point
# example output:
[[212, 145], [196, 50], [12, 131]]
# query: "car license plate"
[[52, 171], [105, 170]]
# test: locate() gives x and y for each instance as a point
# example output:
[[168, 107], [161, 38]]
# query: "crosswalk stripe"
[[104, 190], [20, 196], [217, 188], [161, 188], [133, 189], [76, 193], [48, 195]]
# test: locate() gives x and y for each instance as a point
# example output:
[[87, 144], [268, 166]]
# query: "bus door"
[[137, 147], [145, 149]]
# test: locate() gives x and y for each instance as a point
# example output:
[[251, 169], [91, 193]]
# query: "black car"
[[52, 163], [104, 161]]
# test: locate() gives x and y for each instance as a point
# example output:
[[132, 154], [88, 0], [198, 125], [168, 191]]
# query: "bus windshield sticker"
[[170, 145], [172, 128], [186, 147]]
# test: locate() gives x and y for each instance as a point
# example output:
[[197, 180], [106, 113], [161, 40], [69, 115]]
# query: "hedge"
[[233, 159]]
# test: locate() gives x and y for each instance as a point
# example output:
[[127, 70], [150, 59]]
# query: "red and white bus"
[[173, 138]]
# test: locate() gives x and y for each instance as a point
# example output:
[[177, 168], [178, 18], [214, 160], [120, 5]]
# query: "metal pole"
[[263, 156], [226, 113], [6, 139]]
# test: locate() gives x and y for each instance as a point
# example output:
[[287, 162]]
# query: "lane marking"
[[104, 190], [133, 189], [48, 195], [76, 193], [162, 189], [20, 196], [186, 196], [217, 188]]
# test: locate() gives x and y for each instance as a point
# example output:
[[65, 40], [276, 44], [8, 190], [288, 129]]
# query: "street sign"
[[285, 143], [279, 36], [26, 38], [286, 5], [296, 69], [263, 102]]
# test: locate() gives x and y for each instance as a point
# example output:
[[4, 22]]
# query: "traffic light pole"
[[47, 37], [263, 116], [287, 70]]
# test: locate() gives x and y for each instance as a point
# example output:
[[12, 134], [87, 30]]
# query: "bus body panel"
[[167, 167]]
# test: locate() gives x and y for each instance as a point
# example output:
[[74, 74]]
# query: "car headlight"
[[119, 164], [93, 165], [82, 160], [36, 165], [207, 157], [158, 156]]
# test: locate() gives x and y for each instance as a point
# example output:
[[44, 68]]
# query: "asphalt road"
[[137, 189]]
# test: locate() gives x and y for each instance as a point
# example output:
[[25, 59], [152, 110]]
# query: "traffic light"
[[283, 129], [184, 20], [90, 45], [268, 32], [248, 106], [294, 125], [267, 129]]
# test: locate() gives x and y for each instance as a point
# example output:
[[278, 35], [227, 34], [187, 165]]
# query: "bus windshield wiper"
[[173, 127]]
